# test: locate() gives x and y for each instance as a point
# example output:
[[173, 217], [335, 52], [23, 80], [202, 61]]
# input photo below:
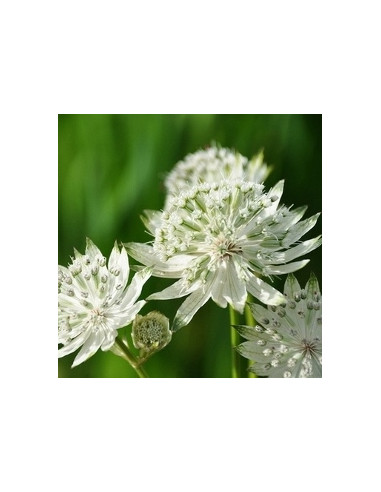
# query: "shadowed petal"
[[299, 250], [236, 293], [290, 267], [89, 348], [291, 286], [264, 292], [174, 291], [91, 250], [219, 285], [135, 288], [172, 268], [298, 230], [108, 342], [74, 344], [152, 220], [189, 308], [129, 315]]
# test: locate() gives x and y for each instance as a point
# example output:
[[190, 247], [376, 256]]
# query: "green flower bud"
[[151, 333]]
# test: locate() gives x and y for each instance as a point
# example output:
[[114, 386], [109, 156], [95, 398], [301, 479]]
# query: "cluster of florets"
[[94, 300], [218, 239], [287, 341], [215, 164], [150, 333], [200, 217], [222, 236]]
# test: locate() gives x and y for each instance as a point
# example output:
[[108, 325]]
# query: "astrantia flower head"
[[218, 239], [213, 165], [287, 341], [94, 300], [151, 332]]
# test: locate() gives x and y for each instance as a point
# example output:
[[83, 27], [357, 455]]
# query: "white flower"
[[213, 165], [287, 342], [94, 301], [218, 239]]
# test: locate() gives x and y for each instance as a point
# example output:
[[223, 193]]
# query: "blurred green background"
[[111, 168]]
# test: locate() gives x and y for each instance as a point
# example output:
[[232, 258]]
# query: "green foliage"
[[111, 168]]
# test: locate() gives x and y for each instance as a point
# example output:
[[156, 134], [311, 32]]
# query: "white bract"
[[94, 300], [219, 239], [213, 165], [287, 342]]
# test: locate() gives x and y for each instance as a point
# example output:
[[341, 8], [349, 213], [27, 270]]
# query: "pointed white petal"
[[89, 348], [264, 292], [291, 286], [74, 344], [260, 314], [247, 332], [235, 291], [290, 267], [252, 351], [118, 261], [68, 302], [257, 170], [219, 285], [114, 256], [312, 286], [123, 267], [174, 291], [125, 318], [189, 308], [152, 220], [298, 230], [290, 218], [133, 291], [77, 254], [275, 194], [177, 263], [91, 250], [173, 268], [143, 253], [108, 342], [290, 254]]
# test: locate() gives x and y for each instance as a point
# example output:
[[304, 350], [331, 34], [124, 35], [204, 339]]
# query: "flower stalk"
[[140, 371], [250, 321], [235, 340]]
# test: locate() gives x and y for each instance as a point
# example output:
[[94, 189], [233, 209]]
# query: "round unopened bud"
[[151, 332], [101, 260]]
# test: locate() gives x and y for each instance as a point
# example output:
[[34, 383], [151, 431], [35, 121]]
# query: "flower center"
[[310, 346], [223, 247], [97, 315]]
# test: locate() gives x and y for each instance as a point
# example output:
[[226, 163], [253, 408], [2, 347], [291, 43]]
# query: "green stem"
[[234, 340], [250, 321], [131, 359]]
